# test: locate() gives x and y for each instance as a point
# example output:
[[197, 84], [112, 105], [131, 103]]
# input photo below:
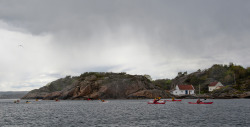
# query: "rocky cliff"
[[99, 85]]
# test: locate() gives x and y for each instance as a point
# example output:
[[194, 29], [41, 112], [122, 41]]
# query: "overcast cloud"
[[155, 37]]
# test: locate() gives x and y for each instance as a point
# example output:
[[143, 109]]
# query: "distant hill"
[[99, 85], [12, 94], [235, 77]]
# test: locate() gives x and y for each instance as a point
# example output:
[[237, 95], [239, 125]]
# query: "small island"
[[99, 85], [108, 85]]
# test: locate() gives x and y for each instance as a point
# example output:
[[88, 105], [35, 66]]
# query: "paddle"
[[204, 99], [201, 100]]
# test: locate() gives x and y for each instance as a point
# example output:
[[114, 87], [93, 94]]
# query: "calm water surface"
[[232, 112]]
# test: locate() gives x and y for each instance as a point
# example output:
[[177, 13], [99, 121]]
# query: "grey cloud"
[[157, 37], [168, 24], [161, 20]]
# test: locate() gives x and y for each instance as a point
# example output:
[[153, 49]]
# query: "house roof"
[[186, 87], [213, 84]]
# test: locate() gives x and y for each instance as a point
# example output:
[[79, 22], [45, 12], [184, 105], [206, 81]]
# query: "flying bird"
[[21, 46]]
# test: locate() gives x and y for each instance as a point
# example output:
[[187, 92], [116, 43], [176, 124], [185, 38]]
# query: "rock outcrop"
[[99, 85], [228, 92]]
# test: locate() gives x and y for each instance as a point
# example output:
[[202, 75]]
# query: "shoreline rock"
[[99, 85]]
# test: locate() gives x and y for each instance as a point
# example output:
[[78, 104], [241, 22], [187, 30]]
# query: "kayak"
[[201, 102], [173, 100], [158, 102]]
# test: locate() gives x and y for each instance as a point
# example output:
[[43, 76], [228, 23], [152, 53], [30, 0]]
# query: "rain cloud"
[[159, 38]]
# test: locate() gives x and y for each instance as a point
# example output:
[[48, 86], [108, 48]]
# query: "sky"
[[43, 40]]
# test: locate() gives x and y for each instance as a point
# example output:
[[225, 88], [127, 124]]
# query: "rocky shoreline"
[[99, 85]]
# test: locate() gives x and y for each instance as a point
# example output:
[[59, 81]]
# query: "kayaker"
[[199, 101], [173, 99], [155, 100], [159, 98]]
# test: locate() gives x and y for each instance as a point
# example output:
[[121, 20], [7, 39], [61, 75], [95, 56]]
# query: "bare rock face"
[[102, 85], [229, 92], [245, 95], [35, 95], [148, 93]]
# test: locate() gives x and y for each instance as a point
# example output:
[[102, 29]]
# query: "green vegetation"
[[101, 74], [148, 77], [233, 76], [163, 83], [57, 85]]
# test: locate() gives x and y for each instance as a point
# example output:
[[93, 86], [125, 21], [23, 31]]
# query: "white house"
[[214, 85], [183, 90]]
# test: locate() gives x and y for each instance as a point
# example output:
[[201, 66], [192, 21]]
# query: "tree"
[[148, 77], [179, 74], [163, 83], [185, 73]]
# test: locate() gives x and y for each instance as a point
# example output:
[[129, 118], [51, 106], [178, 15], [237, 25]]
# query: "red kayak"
[[173, 100], [158, 102], [201, 102]]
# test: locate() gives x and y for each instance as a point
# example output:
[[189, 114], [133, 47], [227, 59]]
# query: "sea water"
[[68, 113]]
